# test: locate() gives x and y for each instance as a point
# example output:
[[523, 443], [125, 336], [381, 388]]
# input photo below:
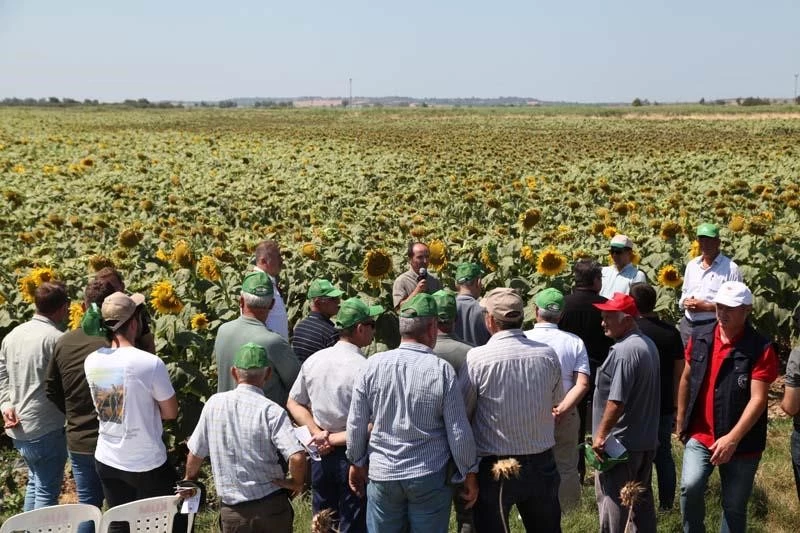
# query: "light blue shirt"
[[413, 400], [620, 280]]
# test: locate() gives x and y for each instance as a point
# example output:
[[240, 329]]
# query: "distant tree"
[[637, 102], [702, 101], [797, 100], [751, 101], [227, 104], [53, 100]]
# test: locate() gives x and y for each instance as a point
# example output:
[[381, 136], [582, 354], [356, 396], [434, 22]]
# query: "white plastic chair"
[[151, 515], [54, 519]]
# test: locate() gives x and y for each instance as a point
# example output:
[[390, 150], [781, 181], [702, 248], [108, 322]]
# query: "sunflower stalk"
[[629, 496]]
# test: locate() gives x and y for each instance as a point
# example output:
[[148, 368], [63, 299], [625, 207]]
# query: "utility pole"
[[795, 86], [350, 99]]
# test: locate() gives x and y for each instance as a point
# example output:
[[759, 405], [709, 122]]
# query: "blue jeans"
[[45, 457], [534, 491], [796, 460], [664, 463], [736, 481], [87, 483], [418, 505], [332, 491]]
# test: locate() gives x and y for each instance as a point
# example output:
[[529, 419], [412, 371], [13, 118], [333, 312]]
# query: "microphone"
[[423, 272]]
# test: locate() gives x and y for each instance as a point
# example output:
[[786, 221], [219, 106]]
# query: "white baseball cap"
[[733, 294]]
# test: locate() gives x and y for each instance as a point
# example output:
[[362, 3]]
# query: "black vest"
[[732, 389]]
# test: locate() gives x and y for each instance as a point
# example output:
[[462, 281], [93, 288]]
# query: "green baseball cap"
[[421, 305], [707, 229], [251, 355], [258, 284], [322, 288], [467, 272], [445, 304], [550, 300], [353, 310]]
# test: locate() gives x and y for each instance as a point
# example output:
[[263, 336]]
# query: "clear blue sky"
[[578, 50]]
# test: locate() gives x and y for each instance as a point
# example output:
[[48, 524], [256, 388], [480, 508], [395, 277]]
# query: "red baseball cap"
[[620, 302]]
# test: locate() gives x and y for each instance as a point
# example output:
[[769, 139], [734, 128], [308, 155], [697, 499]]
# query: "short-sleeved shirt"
[[620, 280], [325, 384], [451, 350], [244, 432], [126, 385], [792, 378], [569, 348], [670, 349], [285, 366], [701, 427], [703, 284], [630, 375], [470, 325], [312, 334], [278, 318], [407, 282], [24, 356]]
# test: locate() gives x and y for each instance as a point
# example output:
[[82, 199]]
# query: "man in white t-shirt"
[[269, 261], [132, 394], [575, 374]]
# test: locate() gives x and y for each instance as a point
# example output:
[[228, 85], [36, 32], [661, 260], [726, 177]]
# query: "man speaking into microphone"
[[416, 279]]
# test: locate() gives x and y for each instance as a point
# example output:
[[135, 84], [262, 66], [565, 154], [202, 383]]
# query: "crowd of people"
[[469, 412]]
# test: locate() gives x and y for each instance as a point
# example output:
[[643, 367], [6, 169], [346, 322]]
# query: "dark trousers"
[[331, 491], [796, 459], [534, 492], [272, 513], [121, 486]]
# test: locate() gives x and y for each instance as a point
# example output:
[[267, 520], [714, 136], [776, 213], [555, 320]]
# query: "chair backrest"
[[153, 515], [54, 519]]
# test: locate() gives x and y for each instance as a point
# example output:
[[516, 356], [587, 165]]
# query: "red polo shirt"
[[701, 428]]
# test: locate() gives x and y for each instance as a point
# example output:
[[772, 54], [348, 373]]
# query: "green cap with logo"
[[467, 272], [250, 355], [322, 288], [421, 305], [445, 304], [353, 310], [550, 300], [707, 229], [257, 283]]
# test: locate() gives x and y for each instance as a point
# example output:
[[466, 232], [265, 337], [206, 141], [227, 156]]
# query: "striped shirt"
[[325, 384], [243, 432], [510, 388], [412, 398], [312, 335]]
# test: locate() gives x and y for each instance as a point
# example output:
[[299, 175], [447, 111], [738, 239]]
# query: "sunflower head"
[[489, 257], [182, 254], [757, 226], [736, 223], [309, 251], [99, 262], [669, 276], [199, 322], [694, 249], [75, 315], [162, 256], [207, 268], [505, 469], [529, 218], [438, 255], [631, 493], [669, 230], [87, 162], [527, 255], [377, 266], [221, 254], [129, 238], [164, 300], [551, 262], [609, 231], [28, 284]]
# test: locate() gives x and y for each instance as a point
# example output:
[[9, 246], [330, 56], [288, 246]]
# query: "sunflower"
[[736, 223], [488, 258], [377, 266], [551, 262], [207, 268], [75, 315], [757, 226], [182, 254], [162, 256], [199, 322], [438, 255], [669, 230], [694, 249], [164, 300], [526, 253], [29, 283], [129, 238], [87, 162], [668, 276], [609, 232], [419, 231], [581, 254], [309, 251], [221, 254], [506, 469], [529, 218]]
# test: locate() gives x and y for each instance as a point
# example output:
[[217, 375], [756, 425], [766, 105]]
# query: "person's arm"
[[9, 412], [53, 388], [297, 473], [791, 400], [193, 463], [611, 416], [467, 386], [677, 375], [457, 427], [791, 394], [575, 394], [683, 401], [358, 423], [303, 417], [169, 408], [724, 447]]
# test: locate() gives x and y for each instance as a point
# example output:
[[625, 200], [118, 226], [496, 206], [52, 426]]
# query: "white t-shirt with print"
[[126, 385]]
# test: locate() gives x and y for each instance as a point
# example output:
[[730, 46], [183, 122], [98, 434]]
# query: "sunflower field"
[[177, 200]]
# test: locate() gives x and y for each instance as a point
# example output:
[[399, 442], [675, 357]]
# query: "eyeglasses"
[[617, 251]]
